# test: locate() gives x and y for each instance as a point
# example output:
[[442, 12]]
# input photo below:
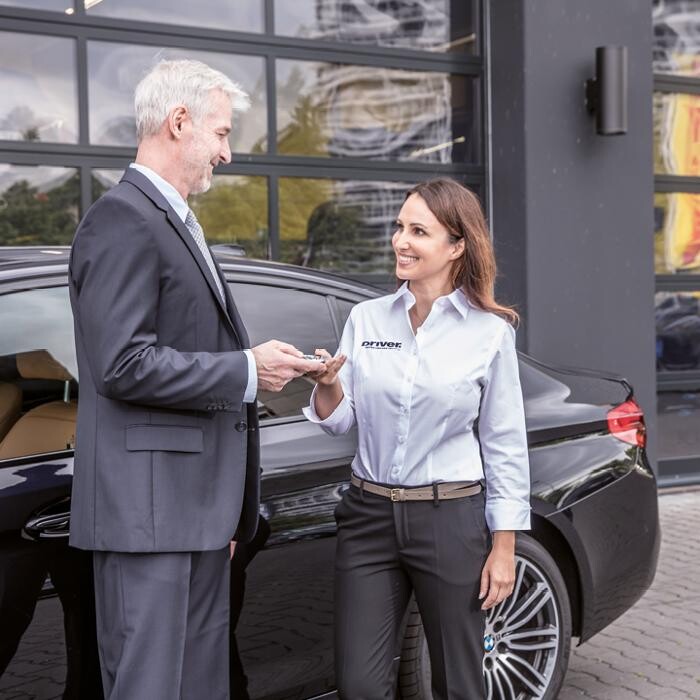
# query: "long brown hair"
[[458, 209]]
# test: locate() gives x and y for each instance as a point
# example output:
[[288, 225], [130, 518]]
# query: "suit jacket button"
[[240, 427]]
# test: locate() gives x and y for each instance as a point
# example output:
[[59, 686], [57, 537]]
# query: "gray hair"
[[184, 82]]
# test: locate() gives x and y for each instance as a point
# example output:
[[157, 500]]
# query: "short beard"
[[202, 186]]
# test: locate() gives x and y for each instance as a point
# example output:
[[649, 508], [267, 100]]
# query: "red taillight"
[[626, 423]]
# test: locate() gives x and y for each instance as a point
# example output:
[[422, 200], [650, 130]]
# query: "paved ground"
[[653, 651]]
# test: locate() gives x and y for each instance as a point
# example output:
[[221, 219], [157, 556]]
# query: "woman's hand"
[[327, 372], [498, 575]]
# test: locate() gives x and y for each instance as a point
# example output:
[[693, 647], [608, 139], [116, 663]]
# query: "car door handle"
[[48, 527]]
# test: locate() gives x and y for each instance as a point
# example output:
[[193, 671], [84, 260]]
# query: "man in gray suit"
[[167, 460]]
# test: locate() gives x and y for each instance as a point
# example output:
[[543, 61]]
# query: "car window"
[[343, 311], [293, 316], [38, 373]]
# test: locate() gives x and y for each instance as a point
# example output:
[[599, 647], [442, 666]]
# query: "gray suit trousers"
[[387, 550], [162, 624]]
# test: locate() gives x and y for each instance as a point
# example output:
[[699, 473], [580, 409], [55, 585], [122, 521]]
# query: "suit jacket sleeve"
[[115, 278]]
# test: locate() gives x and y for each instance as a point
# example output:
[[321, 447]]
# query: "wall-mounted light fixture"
[[606, 94]]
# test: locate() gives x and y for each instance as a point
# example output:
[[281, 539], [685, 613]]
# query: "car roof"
[[35, 261]]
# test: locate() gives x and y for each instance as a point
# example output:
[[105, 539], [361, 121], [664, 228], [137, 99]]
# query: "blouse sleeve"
[[503, 439], [343, 417]]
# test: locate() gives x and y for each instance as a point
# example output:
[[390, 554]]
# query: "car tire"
[[526, 642]]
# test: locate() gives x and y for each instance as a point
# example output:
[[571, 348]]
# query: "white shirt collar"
[[457, 298], [173, 197]]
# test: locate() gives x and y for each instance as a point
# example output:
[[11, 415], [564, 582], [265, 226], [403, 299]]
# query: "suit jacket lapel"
[[186, 237], [233, 310], [151, 191]]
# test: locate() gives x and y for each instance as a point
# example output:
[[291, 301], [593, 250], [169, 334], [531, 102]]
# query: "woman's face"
[[422, 244]]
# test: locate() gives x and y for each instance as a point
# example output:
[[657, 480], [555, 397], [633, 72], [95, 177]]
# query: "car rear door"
[[47, 637]]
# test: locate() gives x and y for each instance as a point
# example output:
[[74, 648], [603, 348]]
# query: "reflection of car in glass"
[[678, 331], [590, 555]]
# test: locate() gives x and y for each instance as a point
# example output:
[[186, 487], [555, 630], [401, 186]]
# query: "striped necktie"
[[198, 234]]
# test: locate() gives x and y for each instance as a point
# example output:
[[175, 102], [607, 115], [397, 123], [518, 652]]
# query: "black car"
[[590, 555]]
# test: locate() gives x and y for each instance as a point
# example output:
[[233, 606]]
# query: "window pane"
[[677, 134], [676, 37], [300, 318], [237, 15], [234, 210], [329, 109], [39, 88], [344, 309], [677, 233], [103, 180], [114, 70], [678, 420], [37, 364], [432, 25], [340, 225], [677, 318], [38, 204]]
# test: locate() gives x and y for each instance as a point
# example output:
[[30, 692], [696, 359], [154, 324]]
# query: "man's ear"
[[176, 120]]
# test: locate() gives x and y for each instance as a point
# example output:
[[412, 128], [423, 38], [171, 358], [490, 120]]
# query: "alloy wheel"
[[521, 638]]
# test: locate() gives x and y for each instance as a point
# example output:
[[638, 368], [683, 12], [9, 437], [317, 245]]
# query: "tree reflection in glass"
[[234, 210], [339, 225], [38, 205]]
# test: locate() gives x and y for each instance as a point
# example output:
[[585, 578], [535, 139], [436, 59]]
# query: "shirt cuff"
[[336, 419], [251, 390], [507, 515]]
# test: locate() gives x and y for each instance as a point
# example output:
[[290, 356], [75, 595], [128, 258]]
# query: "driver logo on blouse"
[[381, 344]]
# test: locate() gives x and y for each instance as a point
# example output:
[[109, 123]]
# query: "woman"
[[419, 367]]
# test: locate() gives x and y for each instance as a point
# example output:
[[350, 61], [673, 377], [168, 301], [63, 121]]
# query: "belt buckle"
[[396, 495]]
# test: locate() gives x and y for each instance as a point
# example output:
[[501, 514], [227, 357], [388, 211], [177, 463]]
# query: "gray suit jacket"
[[167, 454]]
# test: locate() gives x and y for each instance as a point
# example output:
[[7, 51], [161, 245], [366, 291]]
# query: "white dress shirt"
[[181, 208], [416, 399]]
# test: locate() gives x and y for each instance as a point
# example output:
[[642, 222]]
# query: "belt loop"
[[362, 490], [436, 495]]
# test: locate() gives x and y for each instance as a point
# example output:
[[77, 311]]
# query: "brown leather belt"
[[439, 491]]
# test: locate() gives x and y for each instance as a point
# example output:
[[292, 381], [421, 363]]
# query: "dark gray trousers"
[[162, 625], [386, 550]]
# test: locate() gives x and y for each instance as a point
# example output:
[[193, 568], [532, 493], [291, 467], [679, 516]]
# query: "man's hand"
[[278, 363]]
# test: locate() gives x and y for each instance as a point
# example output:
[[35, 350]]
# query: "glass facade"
[[233, 210], [677, 231], [340, 225], [677, 316], [239, 15], [38, 82], [678, 420], [676, 37], [352, 101], [327, 109], [38, 204], [677, 134], [431, 25], [114, 70]]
